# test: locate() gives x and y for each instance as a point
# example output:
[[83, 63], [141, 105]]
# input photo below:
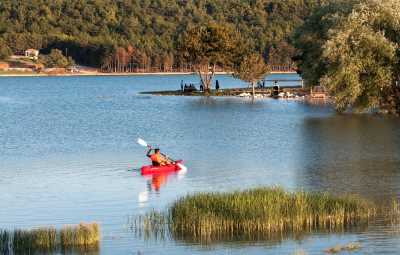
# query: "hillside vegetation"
[[146, 32]]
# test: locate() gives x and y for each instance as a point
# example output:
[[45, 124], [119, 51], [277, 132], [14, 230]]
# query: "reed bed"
[[153, 225], [4, 242], [83, 237], [35, 240], [86, 236], [263, 212]]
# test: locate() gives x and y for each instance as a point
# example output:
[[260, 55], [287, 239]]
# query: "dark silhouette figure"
[[217, 85]]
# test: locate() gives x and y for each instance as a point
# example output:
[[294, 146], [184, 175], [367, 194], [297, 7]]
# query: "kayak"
[[160, 169]]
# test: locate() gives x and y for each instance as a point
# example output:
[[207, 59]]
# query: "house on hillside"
[[32, 53]]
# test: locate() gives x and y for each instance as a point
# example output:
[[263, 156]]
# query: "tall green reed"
[[265, 211], [82, 237]]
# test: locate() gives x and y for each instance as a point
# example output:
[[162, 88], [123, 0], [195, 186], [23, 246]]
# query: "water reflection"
[[157, 180], [225, 101], [154, 183], [356, 154]]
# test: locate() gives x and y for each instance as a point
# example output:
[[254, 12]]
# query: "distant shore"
[[33, 74]]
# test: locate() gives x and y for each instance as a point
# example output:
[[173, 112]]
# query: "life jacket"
[[155, 158]]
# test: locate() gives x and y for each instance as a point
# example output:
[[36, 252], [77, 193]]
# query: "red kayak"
[[145, 170]]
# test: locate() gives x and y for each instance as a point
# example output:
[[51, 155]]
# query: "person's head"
[[157, 150]]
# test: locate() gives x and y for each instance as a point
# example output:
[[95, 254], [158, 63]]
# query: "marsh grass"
[[265, 211], [35, 240], [256, 214], [4, 242], [153, 225], [83, 237], [392, 212]]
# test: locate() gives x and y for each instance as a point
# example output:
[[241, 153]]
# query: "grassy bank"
[[83, 237]]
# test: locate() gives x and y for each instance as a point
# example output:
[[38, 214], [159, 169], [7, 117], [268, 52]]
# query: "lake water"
[[68, 154]]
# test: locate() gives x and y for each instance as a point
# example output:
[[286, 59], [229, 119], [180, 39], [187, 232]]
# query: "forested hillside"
[[145, 33]]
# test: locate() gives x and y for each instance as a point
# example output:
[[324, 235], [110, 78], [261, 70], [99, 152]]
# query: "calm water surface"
[[68, 154]]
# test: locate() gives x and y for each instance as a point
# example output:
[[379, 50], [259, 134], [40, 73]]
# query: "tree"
[[207, 46], [5, 51], [251, 69], [57, 59], [310, 38], [360, 56]]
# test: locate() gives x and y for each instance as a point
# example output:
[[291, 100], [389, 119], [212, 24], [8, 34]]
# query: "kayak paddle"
[[145, 144]]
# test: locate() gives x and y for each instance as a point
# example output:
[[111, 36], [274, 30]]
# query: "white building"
[[32, 53]]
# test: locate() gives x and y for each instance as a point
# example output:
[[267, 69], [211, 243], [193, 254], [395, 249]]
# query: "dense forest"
[[127, 35]]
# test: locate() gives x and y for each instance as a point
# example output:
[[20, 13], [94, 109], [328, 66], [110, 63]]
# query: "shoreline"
[[114, 74], [236, 92]]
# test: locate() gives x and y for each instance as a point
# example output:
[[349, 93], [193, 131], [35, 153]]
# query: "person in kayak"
[[157, 159]]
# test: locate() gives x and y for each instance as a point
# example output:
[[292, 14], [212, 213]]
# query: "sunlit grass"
[[262, 213], [265, 211], [82, 236], [85, 236]]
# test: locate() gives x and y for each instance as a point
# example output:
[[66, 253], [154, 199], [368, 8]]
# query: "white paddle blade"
[[183, 168], [142, 142]]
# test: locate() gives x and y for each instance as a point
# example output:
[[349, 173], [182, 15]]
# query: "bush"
[[57, 59], [5, 51]]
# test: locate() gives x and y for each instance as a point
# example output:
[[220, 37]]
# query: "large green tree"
[[362, 56], [357, 56], [309, 39]]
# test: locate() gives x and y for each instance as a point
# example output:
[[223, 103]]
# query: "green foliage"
[[5, 51], [206, 46], [56, 59], [353, 50], [310, 38], [251, 69], [211, 44], [93, 30]]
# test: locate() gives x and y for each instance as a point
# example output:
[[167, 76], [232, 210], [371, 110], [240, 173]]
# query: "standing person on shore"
[[217, 85]]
